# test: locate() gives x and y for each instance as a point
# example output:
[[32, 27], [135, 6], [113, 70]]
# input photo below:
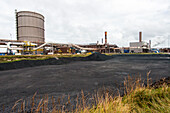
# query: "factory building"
[[141, 46], [104, 47], [31, 40]]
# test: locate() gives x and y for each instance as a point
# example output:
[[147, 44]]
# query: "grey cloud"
[[84, 21]]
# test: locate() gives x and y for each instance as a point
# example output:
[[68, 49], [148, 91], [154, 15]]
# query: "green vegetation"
[[133, 53], [149, 100], [72, 55], [13, 58], [137, 99], [141, 100]]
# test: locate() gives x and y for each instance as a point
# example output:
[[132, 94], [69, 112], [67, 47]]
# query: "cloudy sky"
[[84, 21]]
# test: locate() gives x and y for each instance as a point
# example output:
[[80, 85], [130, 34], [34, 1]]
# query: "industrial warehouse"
[[30, 40]]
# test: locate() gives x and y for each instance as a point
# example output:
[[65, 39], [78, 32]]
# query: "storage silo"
[[30, 26]]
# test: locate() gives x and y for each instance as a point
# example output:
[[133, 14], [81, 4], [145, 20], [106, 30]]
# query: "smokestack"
[[105, 37], [102, 40], [140, 36], [97, 43], [149, 44]]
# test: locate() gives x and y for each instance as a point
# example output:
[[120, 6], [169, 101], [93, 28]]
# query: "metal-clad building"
[[30, 26], [139, 47]]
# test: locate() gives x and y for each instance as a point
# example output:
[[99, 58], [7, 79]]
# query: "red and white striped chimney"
[[105, 37]]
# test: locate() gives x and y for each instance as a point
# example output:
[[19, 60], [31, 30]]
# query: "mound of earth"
[[51, 61], [97, 57], [161, 82]]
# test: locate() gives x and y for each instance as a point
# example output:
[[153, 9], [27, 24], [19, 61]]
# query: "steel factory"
[[31, 40]]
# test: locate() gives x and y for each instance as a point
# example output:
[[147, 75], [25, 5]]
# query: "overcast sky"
[[85, 21]]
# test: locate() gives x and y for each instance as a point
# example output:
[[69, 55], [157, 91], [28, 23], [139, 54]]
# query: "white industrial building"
[[141, 46]]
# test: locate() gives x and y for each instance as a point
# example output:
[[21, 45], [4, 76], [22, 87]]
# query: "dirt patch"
[[98, 57], [163, 81]]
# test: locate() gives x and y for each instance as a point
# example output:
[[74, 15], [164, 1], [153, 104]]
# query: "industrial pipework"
[[82, 48], [14, 48]]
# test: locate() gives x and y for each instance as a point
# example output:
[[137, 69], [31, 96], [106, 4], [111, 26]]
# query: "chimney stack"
[[97, 43], [105, 37], [149, 44], [140, 36], [102, 40]]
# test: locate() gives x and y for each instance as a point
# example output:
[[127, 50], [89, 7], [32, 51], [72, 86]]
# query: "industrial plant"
[[31, 40], [40, 76]]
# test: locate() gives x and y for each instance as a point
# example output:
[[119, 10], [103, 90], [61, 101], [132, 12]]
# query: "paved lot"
[[70, 78]]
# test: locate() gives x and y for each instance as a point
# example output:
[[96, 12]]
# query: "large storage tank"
[[30, 26]]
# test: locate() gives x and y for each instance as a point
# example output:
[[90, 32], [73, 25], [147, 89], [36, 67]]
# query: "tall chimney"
[[105, 37], [140, 36], [102, 40], [149, 44]]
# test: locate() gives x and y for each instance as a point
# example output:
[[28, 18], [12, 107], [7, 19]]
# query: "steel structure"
[[30, 26]]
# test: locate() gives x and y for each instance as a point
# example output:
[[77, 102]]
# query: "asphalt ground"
[[70, 78]]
